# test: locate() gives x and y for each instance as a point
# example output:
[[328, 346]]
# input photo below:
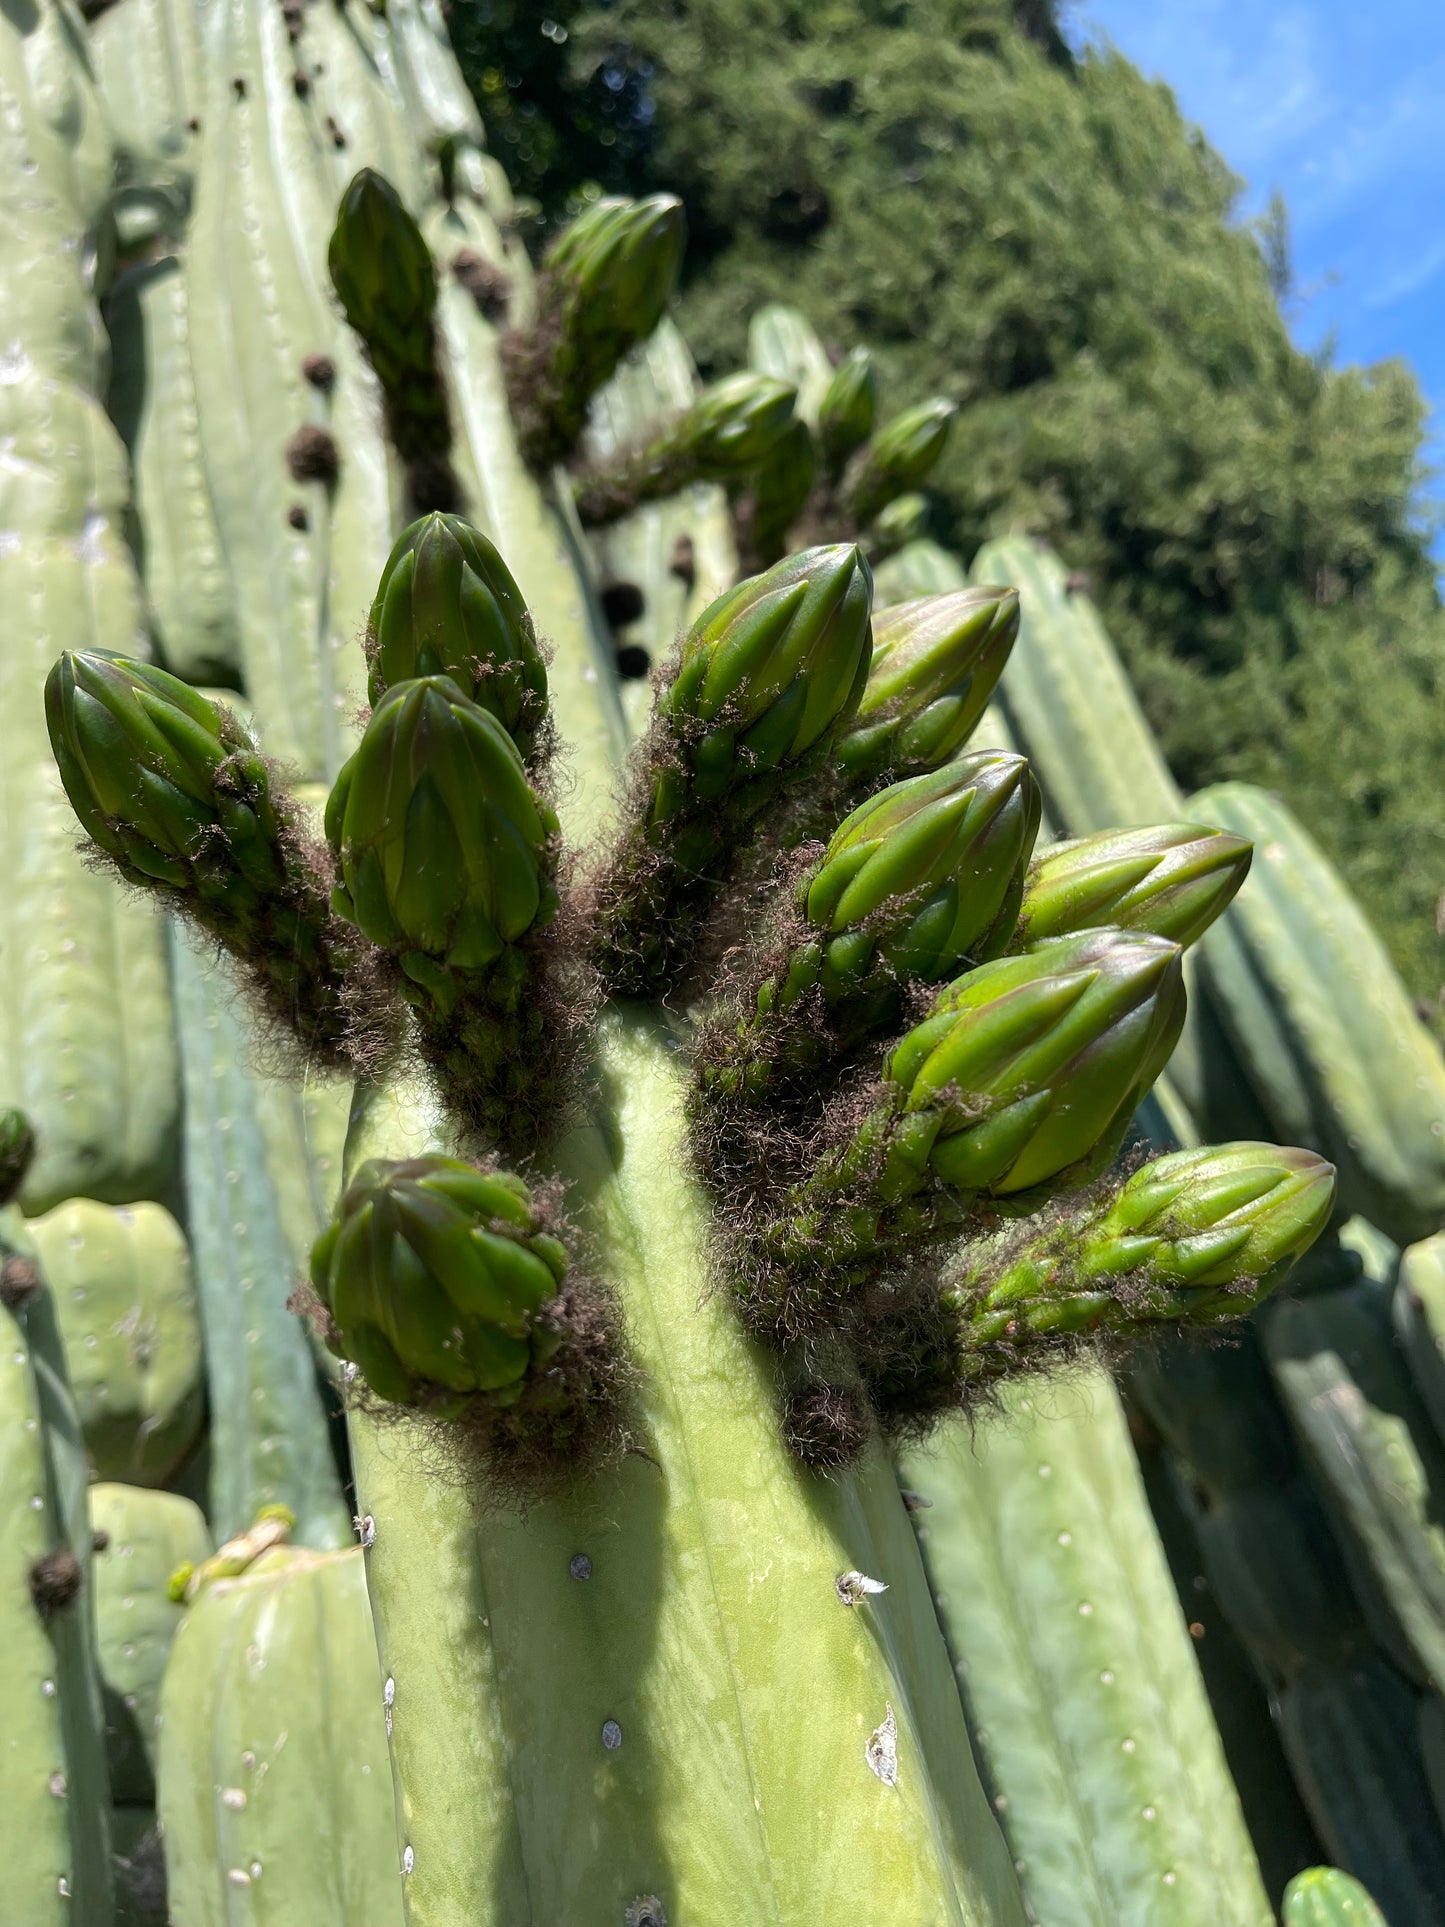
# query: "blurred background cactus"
[[627, 1240]]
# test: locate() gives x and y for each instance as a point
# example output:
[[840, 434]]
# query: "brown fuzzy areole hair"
[[55, 1582], [19, 1282], [312, 455]]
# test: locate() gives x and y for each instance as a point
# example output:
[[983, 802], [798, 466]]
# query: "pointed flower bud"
[[1172, 879], [934, 666], [620, 260], [443, 847], [433, 1275], [904, 520], [735, 424], [1198, 1235], [766, 676], [173, 790], [166, 783], [849, 406], [447, 605], [897, 458], [1029, 1066], [604, 286], [380, 265], [922, 876], [771, 668]]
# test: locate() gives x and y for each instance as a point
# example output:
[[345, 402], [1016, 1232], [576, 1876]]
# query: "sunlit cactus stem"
[[605, 284], [446, 860], [730, 431], [174, 794], [765, 679]]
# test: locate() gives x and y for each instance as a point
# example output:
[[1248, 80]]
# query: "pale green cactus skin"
[[1325, 1897], [142, 1537], [54, 1792], [84, 981], [1419, 1307], [656, 382], [918, 568], [274, 1794], [781, 343], [269, 1439], [121, 1277], [710, 1557], [1083, 1691], [1322, 1025], [190, 595], [1378, 1459], [1068, 700]]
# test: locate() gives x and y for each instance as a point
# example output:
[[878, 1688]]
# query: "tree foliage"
[[1045, 240]]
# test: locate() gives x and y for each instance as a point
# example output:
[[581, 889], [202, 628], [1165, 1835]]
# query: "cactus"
[[274, 1794], [1082, 1690], [1325, 1897], [140, 1539], [1377, 1457], [53, 1785], [121, 1278], [269, 1439], [534, 1276], [1321, 1024], [1419, 1306]]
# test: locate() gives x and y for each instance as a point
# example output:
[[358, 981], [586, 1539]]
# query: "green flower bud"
[[734, 425], [604, 286], [443, 847], [1172, 879], [433, 1275], [849, 406], [1198, 1235], [381, 268], [921, 877], [1031, 1065], [166, 783], [897, 458], [768, 671], [619, 260], [903, 521], [447, 605], [17, 1152], [935, 663]]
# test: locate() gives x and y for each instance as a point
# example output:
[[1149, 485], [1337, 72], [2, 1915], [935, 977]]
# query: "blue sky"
[[1341, 106]]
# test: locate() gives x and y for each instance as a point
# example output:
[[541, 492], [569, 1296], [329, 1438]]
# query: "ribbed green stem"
[[585, 1702]]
